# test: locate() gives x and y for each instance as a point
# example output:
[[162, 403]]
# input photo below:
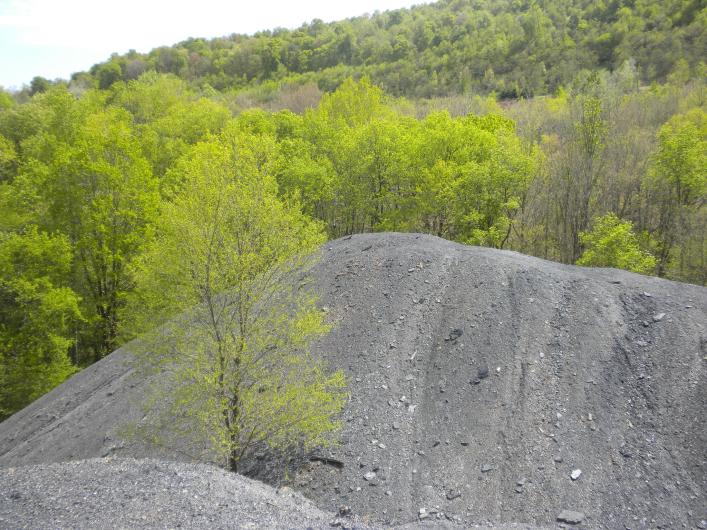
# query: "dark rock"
[[453, 494], [454, 334], [483, 372]]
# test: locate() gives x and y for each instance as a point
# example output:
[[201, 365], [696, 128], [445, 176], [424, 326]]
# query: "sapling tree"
[[232, 258]]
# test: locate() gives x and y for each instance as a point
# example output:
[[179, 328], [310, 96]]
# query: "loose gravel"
[[480, 380]]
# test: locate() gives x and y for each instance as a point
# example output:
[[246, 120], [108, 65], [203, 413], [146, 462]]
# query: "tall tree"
[[97, 189], [678, 184], [38, 316]]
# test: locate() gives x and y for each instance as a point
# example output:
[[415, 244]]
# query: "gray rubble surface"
[[480, 380], [127, 493]]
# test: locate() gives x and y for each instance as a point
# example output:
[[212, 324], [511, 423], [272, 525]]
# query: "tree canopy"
[[514, 48]]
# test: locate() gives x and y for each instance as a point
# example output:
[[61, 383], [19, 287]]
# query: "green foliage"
[[38, 85], [38, 317], [678, 183], [510, 47], [612, 243], [98, 168], [230, 251], [359, 164], [84, 176], [8, 160]]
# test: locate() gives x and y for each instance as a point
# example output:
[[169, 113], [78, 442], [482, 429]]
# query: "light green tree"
[[677, 183], [38, 316], [233, 257], [612, 243], [99, 191]]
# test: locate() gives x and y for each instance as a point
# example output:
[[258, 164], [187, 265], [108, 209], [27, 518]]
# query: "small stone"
[[422, 514], [454, 334], [658, 317], [485, 468], [570, 517], [464, 443], [369, 476], [396, 425], [521, 482], [576, 474], [519, 489], [483, 372], [453, 494], [409, 377], [558, 459]]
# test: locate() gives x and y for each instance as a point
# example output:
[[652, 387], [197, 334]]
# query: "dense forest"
[[400, 121], [511, 47]]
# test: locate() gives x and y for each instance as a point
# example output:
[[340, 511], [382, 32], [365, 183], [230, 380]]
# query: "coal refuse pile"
[[488, 389]]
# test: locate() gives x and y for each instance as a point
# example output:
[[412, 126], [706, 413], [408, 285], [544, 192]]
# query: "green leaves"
[[38, 317], [233, 254], [612, 243]]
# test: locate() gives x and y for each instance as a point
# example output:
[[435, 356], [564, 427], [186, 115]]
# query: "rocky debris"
[[570, 517], [485, 468], [453, 494], [369, 476], [483, 372], [658, 317], [510, 307], [454, 334], [102, 492], [576, 473]]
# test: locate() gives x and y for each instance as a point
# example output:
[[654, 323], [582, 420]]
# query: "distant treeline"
[[515, 48]]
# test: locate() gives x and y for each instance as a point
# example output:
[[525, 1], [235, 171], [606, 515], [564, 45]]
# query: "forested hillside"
[[601, 170], [511, 47]]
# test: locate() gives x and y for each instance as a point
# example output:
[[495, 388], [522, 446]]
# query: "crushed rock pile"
[[487, 388], [127, 493]]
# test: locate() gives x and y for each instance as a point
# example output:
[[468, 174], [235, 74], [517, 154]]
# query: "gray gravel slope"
[[596, 370], [127, 493]]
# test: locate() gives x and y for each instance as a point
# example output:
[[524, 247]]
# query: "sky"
[[55, 38]]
